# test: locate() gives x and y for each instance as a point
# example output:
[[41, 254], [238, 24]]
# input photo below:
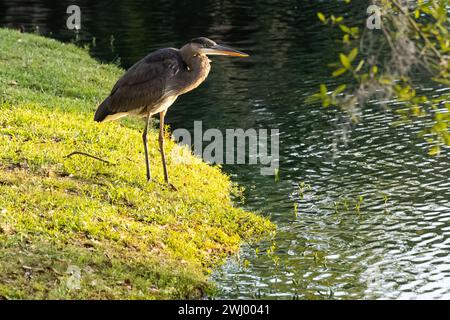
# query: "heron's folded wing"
[[145, 83]]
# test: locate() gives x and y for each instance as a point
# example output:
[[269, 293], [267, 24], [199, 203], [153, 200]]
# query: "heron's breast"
[[163, 105]]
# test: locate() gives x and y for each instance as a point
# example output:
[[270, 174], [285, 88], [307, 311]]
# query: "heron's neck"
[[198, 68], [195, 62]]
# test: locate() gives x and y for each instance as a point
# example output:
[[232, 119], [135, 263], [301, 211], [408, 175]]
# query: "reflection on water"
[[362, 217]]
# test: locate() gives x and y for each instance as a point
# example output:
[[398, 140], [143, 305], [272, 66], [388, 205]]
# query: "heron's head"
[[205, 46]]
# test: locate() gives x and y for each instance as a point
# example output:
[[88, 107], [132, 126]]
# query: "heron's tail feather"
[[102, 110]]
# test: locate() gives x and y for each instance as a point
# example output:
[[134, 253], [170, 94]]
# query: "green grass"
[[128, 238]]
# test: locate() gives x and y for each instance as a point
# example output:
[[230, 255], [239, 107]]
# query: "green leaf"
[[446, 137], [326, 103], [354, 31], [374, 70], [385, 80], [346, 39], [353, 54], [323, 90], [344, 28], [277, 175], [345, 61], [338, 72], [360, 65], [340, 89], [434, 151], [314, 98], [441, 80], [417, 14], [321, 17]]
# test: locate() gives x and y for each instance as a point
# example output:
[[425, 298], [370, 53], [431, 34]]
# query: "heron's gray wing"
[[144, 84]]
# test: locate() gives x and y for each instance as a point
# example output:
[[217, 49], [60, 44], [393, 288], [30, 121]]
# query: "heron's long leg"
[[144, 138], [161, 144]]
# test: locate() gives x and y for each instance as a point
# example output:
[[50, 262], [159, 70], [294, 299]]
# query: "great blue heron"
[[153, 84]]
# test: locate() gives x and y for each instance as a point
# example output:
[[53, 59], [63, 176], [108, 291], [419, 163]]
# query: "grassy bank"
[[77, 228]]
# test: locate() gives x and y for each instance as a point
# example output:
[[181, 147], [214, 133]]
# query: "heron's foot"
[[164, 185]]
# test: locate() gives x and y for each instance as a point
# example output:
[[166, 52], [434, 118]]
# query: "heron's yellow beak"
[[219, 50]]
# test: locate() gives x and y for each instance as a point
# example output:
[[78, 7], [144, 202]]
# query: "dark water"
[[372, 215]]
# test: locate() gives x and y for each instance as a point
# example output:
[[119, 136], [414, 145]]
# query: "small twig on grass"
[[89, 155]]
